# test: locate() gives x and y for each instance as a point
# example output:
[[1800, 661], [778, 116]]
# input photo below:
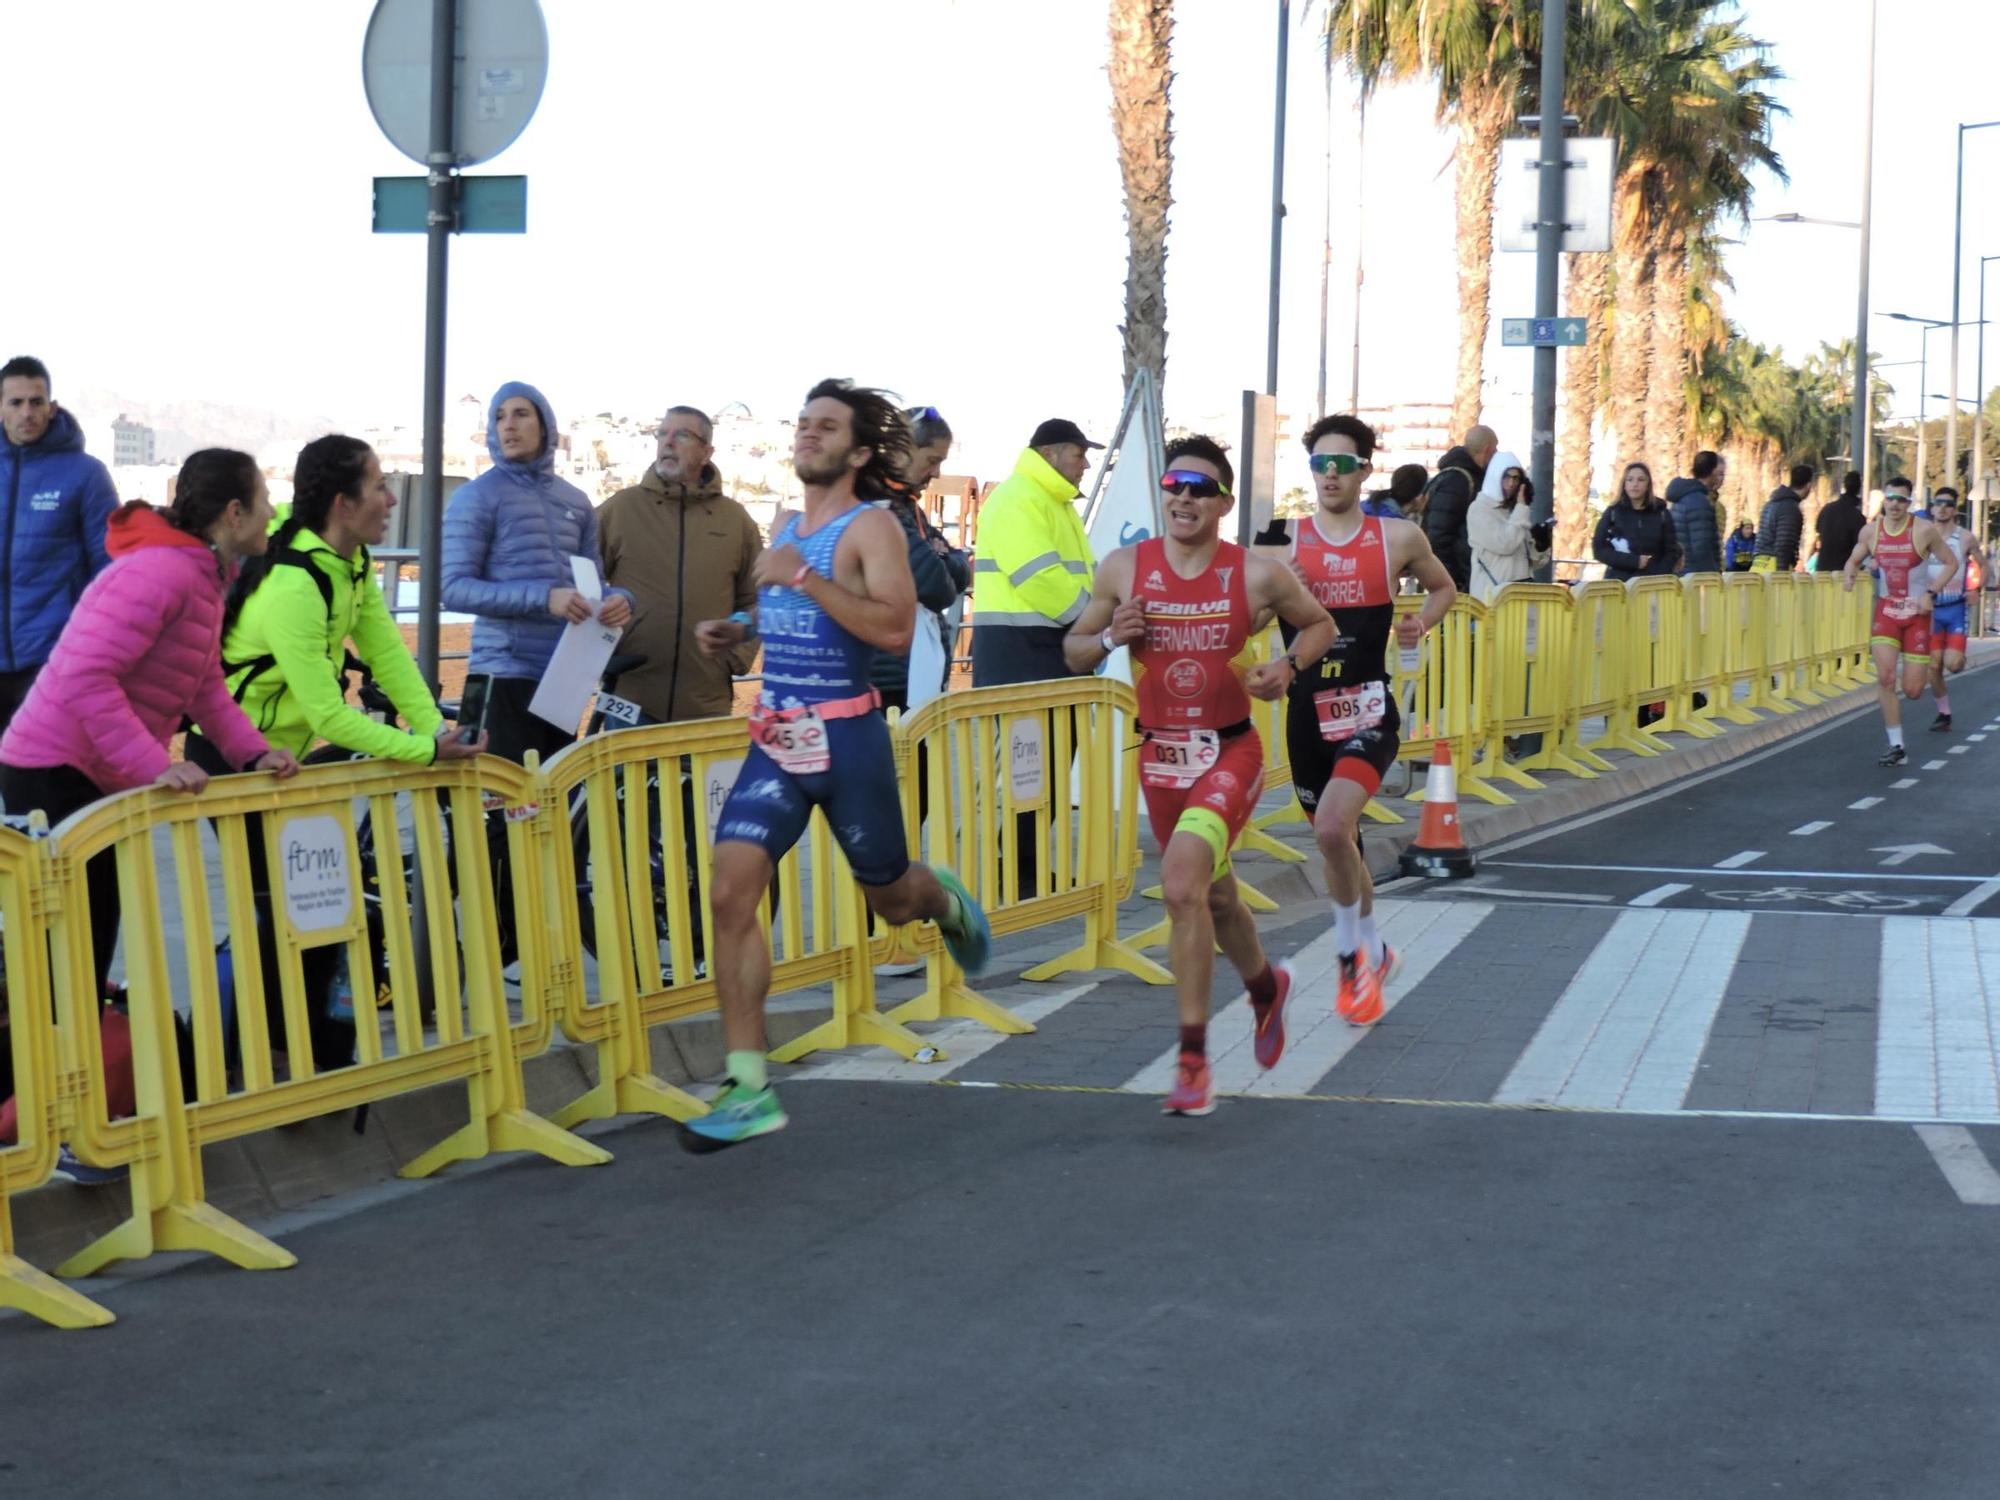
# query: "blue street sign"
[[1543, 333]]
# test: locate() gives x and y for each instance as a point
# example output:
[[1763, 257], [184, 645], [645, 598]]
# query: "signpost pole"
[[438, 226], [1551, 212]]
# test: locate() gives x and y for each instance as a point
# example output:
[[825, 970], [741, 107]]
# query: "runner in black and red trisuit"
[[1899, 542], [1341, 724], [1189, 604]]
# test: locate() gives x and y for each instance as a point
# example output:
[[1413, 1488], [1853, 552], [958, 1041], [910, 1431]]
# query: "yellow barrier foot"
[[40, 1295], [642, 1094], [180, 1226], [1559, 760], [510, 1130], [1155, 893], [955, 1001], [1376, 812], [1253, 898], [870, 1028], [1733, 711], [1153, 937], [1254, 840], [1498, 765], [1121, 954]]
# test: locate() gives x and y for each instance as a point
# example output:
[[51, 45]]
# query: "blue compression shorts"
[[770, 808], [1949, 619]]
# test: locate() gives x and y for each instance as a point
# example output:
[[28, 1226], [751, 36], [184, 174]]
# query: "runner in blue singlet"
[[834, 587]]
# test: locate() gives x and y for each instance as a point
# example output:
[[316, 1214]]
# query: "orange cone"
[[1439, 852]]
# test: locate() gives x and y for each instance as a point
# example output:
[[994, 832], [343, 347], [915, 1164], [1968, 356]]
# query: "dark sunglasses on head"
[[1187, 482], [1335, 463]]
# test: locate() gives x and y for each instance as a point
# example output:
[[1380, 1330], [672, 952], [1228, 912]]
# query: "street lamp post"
[[1980, 482], [1957, 245], [1858, 422], [1923, 385]]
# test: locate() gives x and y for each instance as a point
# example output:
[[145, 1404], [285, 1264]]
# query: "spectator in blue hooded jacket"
[[58, 502], [509, 536], [1692, 504]]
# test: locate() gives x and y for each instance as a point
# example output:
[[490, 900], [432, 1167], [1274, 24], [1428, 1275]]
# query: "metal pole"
[[1325, 237], [439, 221], [1957, 247], [1862, 437], [1550, 214], [1978, 484], [1278, 195], [1360, 204], [1923, 384]]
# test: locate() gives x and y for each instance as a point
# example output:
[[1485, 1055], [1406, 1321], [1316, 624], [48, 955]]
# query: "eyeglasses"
[[1187, 482], [1335, 463]]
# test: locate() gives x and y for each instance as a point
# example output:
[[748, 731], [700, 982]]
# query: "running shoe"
[[1941, 723], [1194, 1088], [1391, 965], [1269, 1037], [83, 1174], [737, 1115], [1350, 978], [1367, 991], [1895, 755], [968, 937]]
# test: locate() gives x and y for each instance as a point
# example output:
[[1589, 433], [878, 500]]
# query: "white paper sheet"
[[577, 668]]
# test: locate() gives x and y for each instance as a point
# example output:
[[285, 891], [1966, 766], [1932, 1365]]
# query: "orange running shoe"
[[1194, 1088], [1367, 1005], [1347, 995]]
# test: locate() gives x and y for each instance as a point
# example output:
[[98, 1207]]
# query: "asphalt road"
[[1813, 825], [986, 1292]]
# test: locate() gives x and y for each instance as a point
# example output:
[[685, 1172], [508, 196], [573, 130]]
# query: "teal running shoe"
[[969, 938], [737, 1115]]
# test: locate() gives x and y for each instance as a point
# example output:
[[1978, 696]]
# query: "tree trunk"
[[1588, 296], [1484, 115], [1632, 333], [1142, 119], [1666, 402]]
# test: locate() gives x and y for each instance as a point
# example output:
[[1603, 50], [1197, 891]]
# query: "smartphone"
[[472, 707]]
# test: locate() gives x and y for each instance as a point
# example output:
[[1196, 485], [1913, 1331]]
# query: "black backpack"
[[287, 557]]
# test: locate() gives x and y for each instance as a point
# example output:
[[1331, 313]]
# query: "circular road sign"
[[503, 61]]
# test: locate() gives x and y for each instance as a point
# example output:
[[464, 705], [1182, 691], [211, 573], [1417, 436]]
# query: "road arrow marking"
[[1902, 854]]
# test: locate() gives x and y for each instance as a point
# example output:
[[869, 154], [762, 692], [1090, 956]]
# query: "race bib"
[[1178, 758], [1346, 712], [798, 744], [1900, 609]]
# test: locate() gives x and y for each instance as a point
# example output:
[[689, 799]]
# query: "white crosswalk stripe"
[[1935, 1050], [1630, 1027], [960, 1041]]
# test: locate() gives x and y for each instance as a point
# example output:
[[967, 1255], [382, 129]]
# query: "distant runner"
[[835, 587], [1189, 604], [1899, 543], [1341, 726], [1948, 612]]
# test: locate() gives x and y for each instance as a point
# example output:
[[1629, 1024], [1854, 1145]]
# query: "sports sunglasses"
[[1335, 463], [1187, 482]]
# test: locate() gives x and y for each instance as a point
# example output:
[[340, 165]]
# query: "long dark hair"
[[1626, 473], [327, 468], [879, 426], [207, 482]]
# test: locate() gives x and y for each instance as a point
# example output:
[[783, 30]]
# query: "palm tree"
[[1477, 51], [1143, 120]]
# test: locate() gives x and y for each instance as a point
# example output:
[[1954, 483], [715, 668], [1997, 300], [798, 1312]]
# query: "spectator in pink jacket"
[[142, 651]]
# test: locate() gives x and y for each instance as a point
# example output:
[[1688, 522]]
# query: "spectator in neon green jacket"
[[291, 616]]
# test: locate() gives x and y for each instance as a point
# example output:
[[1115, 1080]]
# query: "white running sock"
[[1896, 737], [1944, 704], [1371, 939], [1347, 927]]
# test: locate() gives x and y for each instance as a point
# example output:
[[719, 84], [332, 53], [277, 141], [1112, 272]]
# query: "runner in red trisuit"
[[1899, 542], [1189, 604]]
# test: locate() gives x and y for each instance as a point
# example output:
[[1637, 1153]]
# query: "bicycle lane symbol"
[[1787, 895]]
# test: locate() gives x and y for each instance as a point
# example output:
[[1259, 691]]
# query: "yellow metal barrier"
[[1656, 636], [1745, 644], [1446, 699], [1526, 655], [1601, 668], [309, 846], [1787, 639], [995, 760], [31, 1158], [1842, 639], [1705, 648]]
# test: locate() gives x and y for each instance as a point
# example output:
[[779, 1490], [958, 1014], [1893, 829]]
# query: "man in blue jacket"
[[509, 536], [1692, 504], [58, 500]]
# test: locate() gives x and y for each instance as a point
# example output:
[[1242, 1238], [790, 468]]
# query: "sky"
[[728, 201]]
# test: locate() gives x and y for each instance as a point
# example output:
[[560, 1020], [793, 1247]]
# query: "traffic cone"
[[1439, 852]]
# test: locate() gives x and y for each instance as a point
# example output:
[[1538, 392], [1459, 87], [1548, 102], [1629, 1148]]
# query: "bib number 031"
[[1178, 758]]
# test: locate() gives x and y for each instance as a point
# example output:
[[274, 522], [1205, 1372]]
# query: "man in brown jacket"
[[686, 551]]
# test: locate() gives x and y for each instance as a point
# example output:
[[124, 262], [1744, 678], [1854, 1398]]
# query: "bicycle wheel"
[[586, 898]]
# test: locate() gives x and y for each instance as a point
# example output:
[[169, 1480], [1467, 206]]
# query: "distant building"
[[1409, 432], [131, 444]]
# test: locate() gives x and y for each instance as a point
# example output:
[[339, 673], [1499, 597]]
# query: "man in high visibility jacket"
[[1032, 573]]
